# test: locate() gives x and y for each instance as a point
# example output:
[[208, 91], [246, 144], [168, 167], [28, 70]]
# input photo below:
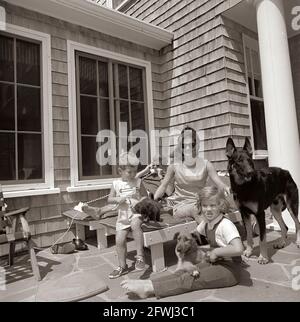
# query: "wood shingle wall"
[[203, 73], [46, 222]]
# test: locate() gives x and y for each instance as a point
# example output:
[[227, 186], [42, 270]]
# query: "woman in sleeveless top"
[[189, 173]]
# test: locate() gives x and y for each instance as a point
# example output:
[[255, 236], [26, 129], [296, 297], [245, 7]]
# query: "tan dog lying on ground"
[[188, 253]]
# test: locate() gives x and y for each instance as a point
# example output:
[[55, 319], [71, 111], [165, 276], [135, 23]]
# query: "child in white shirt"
[[126, 192]]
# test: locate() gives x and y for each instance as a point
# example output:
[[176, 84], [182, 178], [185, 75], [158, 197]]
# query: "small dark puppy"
[[149, 209], [188, 252]]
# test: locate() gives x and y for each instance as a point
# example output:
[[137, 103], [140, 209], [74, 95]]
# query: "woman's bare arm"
[[216, 179], [164, 184]]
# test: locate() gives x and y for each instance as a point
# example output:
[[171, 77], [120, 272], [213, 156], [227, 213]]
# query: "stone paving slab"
[[271, 282]]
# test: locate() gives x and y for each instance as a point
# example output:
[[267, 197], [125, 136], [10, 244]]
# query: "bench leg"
[[157, 257], [11, 253], [80, 232], [101, 238]]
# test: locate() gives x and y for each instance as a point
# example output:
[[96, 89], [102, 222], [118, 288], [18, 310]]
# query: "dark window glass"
[[28, 63], [258, 88], [30, 156], [7, 156], [88, 115], [138, 116], [103, 79], [89, 148], [29, 108], [7, 107], [94, 97], [6, 59], [250, 85], [124, 114], [104, 114], [259, 126], [123, 81], [136, 84], [21, 150], [88, 76]]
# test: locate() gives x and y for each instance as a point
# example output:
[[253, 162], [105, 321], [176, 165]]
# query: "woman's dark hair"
[[187, 131]]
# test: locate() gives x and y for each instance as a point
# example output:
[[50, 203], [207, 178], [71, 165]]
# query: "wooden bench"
[[154, 240]]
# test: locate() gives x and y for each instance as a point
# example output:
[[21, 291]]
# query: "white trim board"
[[46, 93], [71, 48], [102, 19]]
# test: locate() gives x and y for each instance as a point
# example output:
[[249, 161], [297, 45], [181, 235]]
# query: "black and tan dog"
[[256, 190], [188, 252]]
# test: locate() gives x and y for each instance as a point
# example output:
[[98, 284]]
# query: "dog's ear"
[[247, 146], [176, 235], [230, 148], [197, 237]]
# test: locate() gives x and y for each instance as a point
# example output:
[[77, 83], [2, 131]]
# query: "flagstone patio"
[[271, 282]]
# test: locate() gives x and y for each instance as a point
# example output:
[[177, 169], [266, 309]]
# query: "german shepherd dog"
[[256, 190]]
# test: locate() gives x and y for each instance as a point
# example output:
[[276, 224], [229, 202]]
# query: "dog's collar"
[[213, 223]]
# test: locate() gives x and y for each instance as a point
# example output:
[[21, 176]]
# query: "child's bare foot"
[[141, 288], [94, 212]]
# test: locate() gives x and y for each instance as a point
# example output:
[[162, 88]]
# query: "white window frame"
[[252, 43], [46, 187], [72, 47]]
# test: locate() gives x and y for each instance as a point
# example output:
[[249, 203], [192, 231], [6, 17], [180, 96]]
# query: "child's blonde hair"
[[128, 159], [210, 192]]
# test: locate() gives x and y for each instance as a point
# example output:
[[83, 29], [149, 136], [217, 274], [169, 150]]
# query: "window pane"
[[136, 84], [106, 169], [258, 124], [30, 156], [138, 116], [88, 114], [88, 77], [29, 108], [258, 88], [250, 86], [123, 81], [256, 62], [6, 59], [124, 114], [28, 63], [89, 148], [7, 156], [7, 103], [103, 79], [104, 115]]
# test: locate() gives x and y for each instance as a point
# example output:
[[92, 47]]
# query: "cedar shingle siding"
[[202, 74], [46, 222]]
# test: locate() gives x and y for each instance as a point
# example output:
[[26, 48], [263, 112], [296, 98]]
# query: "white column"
[[279, 99]]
